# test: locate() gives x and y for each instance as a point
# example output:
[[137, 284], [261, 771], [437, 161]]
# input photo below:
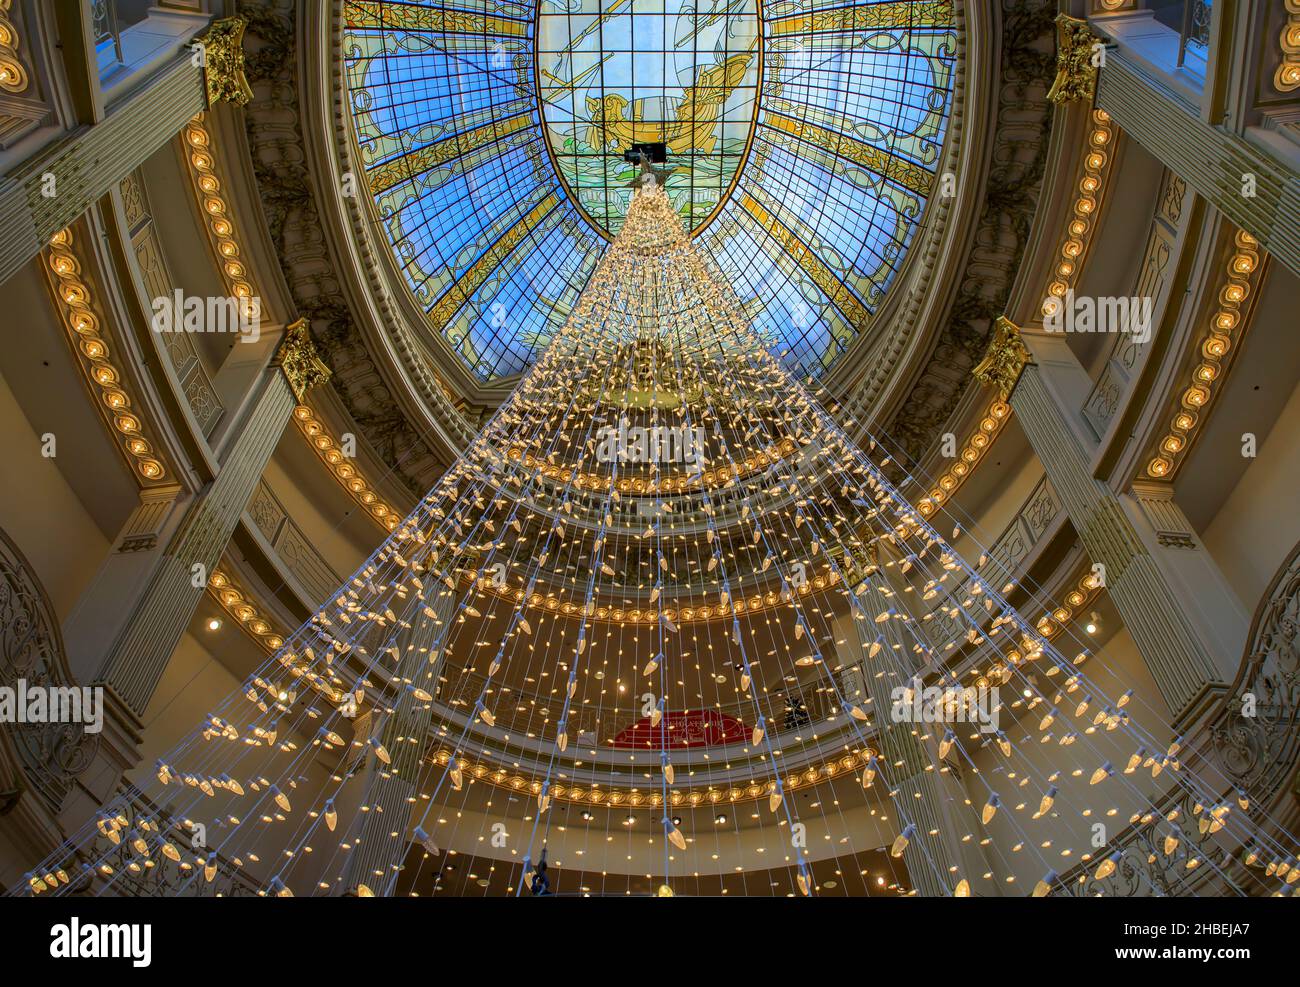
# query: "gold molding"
[[1076, 75], [1226, 326], [223, 61], [343, 469], [1051, 625], [89, 345], [240, 605], [1004, 359], [1078, 232], [1287, 77], [989, 427], [298, 360], [13, 74], [221, 230]]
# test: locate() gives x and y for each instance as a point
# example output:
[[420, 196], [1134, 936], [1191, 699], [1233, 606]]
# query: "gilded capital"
[[1004, 359], [223, 61], [299, 361], [1076, 60]]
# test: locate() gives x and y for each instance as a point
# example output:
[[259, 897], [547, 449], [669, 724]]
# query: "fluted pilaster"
[[90, 161], [1214, 161], [1155, 613], [135, 661]]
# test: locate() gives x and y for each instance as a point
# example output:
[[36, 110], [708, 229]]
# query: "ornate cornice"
[[1004, 359], [298, 360], [240, 605], [988, 428], [223, 62], [1097, 163], [1076, 68]]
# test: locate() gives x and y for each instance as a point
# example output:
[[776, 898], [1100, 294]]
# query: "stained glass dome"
[[802, 138]]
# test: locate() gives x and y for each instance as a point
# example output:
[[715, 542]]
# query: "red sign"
[[692, 728]]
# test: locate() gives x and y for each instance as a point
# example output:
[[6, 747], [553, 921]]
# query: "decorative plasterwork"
[[240, 604], [91, 349], [980, 441], [223, 62], [299, 361], [343, 468], [216, 213], [1004, 359], [1226, 326], [13, 74], [1050, 625], [1078, 233], [1287, 77], [1076, 69], [223, 236]]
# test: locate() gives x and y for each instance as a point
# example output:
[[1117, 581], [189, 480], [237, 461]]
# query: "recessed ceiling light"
[[214, 623]]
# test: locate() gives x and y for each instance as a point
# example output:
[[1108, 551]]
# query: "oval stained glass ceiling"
[[802, 135]]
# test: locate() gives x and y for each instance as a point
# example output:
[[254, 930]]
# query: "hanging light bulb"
[[869, 774], [1044, 885], [674, 834], [990, 808], [380, 750], [1045, 806], [667, 767], [1108, 866], [425, 840], [902, 840], [1171, 840], [331, 815]]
